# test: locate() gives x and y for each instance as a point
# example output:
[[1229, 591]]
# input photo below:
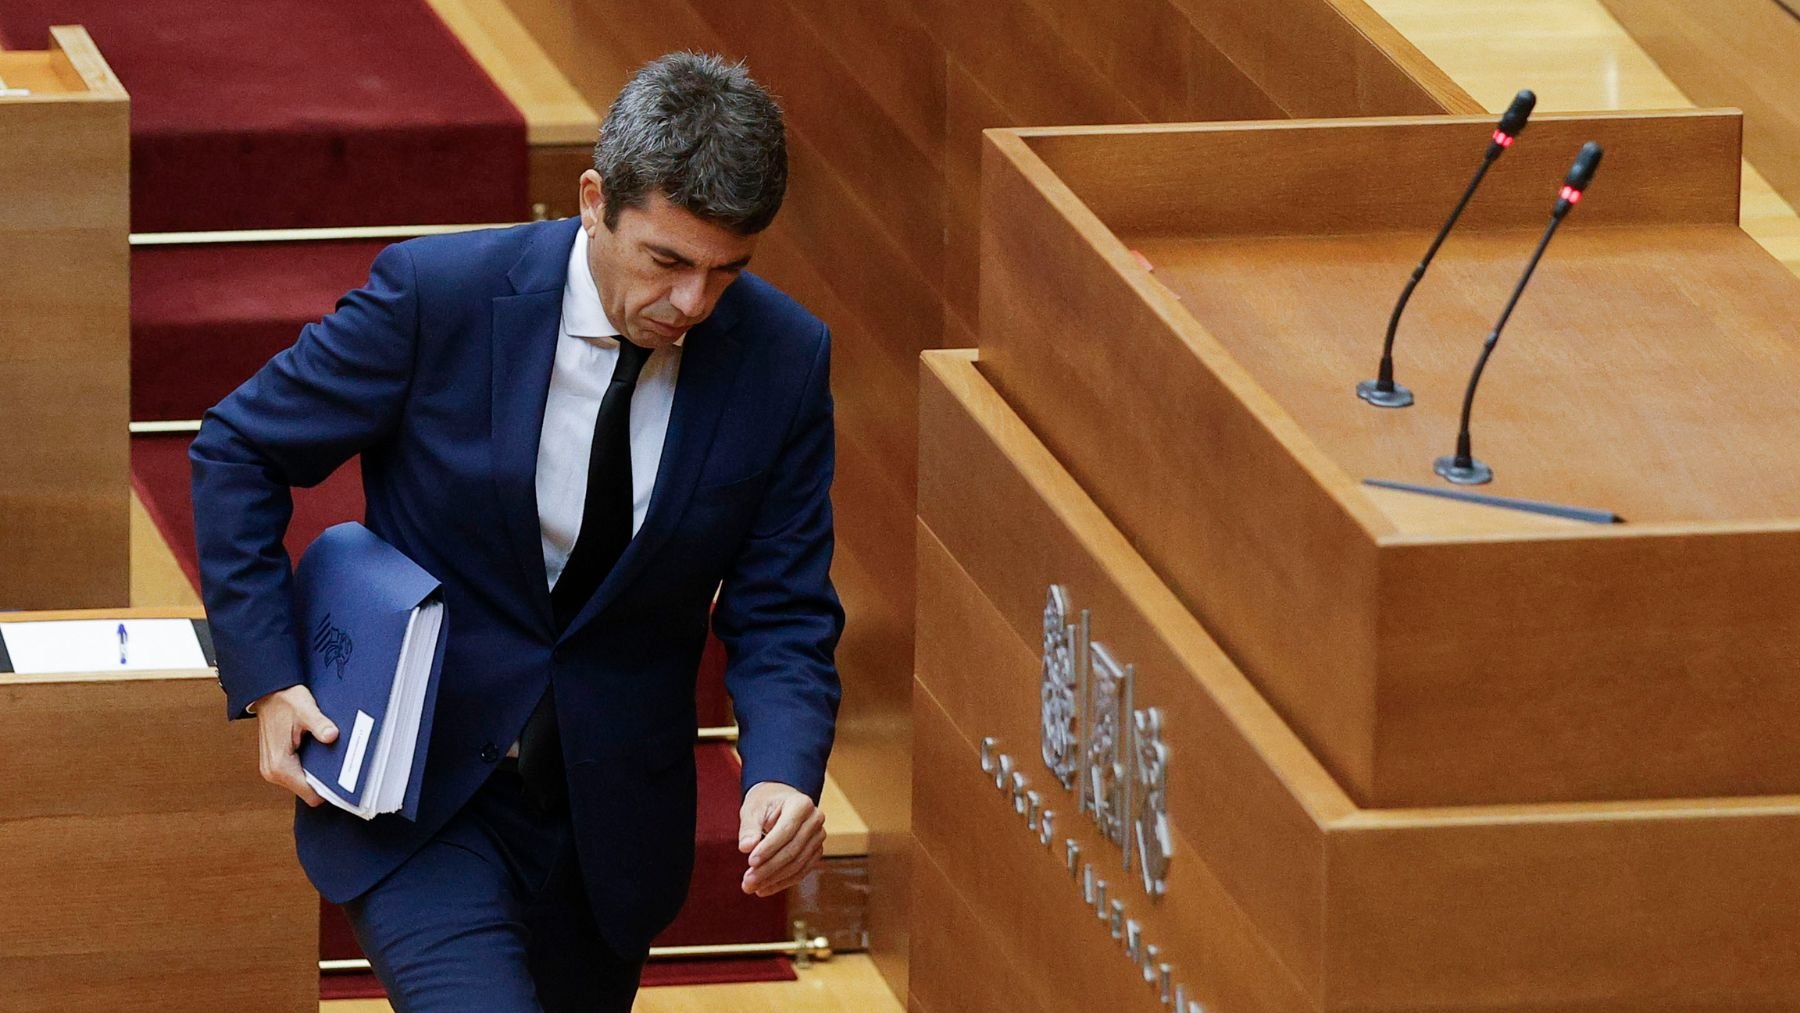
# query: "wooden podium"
[[1421, 754], [65, 484], [143, 864]]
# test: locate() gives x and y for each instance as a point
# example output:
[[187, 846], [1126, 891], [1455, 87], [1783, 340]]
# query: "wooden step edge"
[[555, 113], [846, 834]]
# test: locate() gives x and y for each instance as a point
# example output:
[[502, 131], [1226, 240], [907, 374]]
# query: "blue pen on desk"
[[121, 643]]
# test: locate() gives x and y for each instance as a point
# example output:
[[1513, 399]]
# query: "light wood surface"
[[1605, 906], [64, 333], [1411, 511], [560, 124], [1224, 384], [156, 578], [846, 833], [1337, 177], [151, 868], [1579, 58], [985, 848], [44, 74], [1732, 53], [1035, 936], [1129, 417], [982, 463], [845, 984], [555, 113], [1601, 392]]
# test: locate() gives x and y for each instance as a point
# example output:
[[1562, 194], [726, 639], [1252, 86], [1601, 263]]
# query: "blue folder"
[[354, 596]]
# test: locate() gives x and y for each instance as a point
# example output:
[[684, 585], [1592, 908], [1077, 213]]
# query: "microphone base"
[[1370, 391], [1468, 472]]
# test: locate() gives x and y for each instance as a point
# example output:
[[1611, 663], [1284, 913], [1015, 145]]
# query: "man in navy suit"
[[587, 430]]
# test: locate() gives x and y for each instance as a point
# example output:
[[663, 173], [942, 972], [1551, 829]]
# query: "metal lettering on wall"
[[1095, 741], [1099, 745]]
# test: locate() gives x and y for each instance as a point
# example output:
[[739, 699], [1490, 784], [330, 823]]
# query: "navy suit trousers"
[[490, 915]]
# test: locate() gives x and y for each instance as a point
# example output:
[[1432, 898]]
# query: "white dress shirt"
[[587, 347]]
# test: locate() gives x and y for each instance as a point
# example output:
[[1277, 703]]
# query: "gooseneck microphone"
[[1462, 467], [1382, 391]]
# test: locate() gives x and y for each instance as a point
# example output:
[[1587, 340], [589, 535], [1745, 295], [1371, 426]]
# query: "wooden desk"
[[147, 866], [1283, 893], [1420, 756], [1651, 370]]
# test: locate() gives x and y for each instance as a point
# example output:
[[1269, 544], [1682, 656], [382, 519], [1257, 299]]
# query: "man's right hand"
[[282, 718]]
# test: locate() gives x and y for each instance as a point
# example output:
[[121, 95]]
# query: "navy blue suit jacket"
[[436, 373]]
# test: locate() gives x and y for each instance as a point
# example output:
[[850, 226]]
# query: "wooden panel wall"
[[64, 329], [1732, 53], [146, 866], [886, 100]]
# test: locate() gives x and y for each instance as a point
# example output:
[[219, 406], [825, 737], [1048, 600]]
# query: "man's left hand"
[[784, 835]]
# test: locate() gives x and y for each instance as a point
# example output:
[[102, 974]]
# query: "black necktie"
[[606, 514]]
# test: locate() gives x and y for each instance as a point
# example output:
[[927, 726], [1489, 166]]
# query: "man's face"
[[660, 269]]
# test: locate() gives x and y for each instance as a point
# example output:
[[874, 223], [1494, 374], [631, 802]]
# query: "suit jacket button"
[[490, 753]]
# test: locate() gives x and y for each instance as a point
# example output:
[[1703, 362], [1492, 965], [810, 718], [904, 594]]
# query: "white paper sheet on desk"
[[92, 645]]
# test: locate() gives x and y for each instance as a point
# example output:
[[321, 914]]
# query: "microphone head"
[[1512, 122], [1582, 172]]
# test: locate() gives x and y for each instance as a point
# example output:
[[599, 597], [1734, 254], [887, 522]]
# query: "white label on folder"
[[353, 757]]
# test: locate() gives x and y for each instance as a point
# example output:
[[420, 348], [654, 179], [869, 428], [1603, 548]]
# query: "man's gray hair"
[[701, 132]]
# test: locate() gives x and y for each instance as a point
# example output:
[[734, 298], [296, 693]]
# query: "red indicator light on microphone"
[[1503, 139], [1572, 195]]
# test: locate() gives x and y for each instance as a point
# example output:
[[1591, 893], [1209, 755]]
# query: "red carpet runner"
[[298, 113], [203, 318]]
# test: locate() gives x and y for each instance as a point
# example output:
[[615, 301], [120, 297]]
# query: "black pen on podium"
[[1462, 467], [1383, 392]]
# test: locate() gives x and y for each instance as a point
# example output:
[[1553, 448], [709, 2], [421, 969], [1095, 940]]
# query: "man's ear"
[[592, 199]]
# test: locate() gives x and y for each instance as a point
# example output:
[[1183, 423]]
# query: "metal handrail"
[[306, 235], [804, 948]]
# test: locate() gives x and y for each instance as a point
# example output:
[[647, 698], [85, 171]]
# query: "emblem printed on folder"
[[332, 644], [1098, 744], [1063, 694]]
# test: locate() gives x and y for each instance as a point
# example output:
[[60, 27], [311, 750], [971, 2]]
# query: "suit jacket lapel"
[[525, 327], [709, 366]]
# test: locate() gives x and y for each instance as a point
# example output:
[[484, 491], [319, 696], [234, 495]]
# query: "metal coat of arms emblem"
[[1098, 744], [1064, 646]]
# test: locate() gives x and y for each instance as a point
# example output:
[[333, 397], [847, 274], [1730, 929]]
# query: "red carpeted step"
[[203, 318], [717, 910], [711, 703], [159, 474], [298, 113]]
